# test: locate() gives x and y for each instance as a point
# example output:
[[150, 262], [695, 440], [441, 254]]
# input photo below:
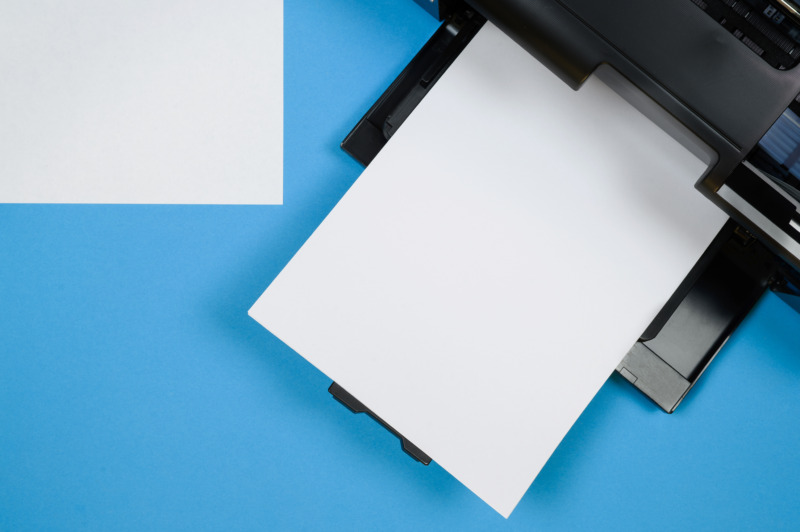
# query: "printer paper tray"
[[674, 351]]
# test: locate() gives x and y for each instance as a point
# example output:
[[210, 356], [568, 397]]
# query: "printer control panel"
[[769, 30]]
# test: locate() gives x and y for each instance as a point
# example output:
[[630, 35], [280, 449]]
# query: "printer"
[[721, 77]]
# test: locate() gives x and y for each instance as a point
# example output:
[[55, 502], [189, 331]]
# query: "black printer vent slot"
[[765, 27]]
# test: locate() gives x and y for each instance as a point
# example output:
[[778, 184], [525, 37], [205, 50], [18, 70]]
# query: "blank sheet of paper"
[[139, 101], [484, 276]]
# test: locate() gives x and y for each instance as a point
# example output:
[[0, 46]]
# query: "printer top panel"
[[696, 59]]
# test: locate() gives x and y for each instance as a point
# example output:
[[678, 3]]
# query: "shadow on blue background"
[[135, 393]]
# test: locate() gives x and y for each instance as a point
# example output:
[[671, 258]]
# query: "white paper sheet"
[[487, 272], [141, 101]]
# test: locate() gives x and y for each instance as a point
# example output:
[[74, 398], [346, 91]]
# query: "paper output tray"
[[676, 348]]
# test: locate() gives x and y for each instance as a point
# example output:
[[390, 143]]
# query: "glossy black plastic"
[[701, 315]]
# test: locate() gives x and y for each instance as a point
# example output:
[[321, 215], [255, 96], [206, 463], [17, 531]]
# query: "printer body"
[[721, 77]]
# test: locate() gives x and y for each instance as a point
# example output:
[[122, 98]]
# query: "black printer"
[[721, 77]]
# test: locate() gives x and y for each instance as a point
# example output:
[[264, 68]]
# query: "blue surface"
[[136, 394]]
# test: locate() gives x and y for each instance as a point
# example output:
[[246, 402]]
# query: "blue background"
[[135, 392]]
